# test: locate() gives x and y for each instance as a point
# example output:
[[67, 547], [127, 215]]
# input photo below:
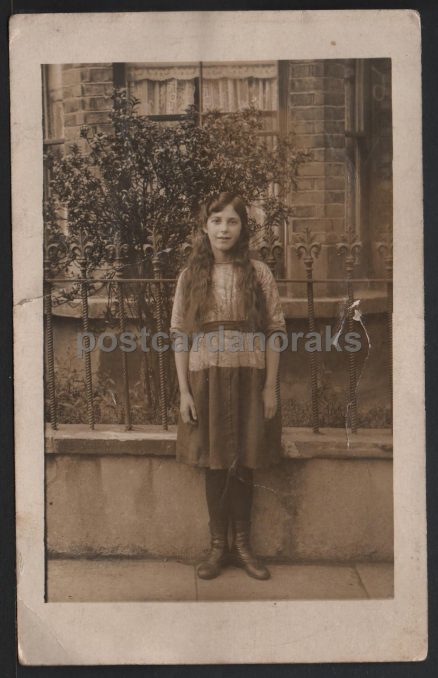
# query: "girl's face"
[[223, 230]]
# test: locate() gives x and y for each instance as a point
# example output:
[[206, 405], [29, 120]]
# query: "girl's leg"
[[216, 492], [241, 493]]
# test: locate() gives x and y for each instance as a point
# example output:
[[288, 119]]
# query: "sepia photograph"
[[220, 366], [223, 198]]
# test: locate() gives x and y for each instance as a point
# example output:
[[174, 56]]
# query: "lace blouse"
[[228, 303]]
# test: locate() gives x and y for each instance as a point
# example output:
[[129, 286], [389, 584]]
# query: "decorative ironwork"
[[51, 387], [271, 248], [308, 248], [57, 253], [82, 250], [156, 265], [385, 249], [350, 247], [118, 252], [155, 292]]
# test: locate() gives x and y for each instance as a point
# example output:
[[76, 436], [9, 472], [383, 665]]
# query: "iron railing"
[[154, 294]]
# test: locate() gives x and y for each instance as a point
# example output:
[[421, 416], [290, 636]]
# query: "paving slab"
[[377, 578], [132, 580], [119, 580], [288, 582]]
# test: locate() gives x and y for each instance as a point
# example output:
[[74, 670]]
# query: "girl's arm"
[[187, 404], [275, 322], [270, 388]]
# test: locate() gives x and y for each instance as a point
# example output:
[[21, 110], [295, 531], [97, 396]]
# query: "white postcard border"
[[220, 632]]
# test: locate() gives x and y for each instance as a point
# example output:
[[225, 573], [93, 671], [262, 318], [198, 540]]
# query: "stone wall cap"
[[152, 441]]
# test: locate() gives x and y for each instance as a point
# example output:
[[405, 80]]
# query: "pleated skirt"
[[231, 427]]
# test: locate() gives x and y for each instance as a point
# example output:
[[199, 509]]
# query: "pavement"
[[135, 580]]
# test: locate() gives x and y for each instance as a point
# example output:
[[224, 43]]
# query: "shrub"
[[143, 181]]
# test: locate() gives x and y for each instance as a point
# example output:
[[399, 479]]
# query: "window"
[[165, 91], [53, 114], [369, 155]]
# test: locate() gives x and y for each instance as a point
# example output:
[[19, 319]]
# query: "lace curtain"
[[169, 90]]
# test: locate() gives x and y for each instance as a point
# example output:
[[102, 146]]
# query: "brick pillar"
[[54, 104], [317, 116], [87, 92]]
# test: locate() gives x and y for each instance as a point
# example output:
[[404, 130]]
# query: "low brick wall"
[[112, 493]]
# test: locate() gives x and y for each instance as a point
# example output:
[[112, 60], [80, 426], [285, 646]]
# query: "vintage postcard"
[[218, 311]]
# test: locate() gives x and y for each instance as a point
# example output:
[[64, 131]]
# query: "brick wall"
[[317, 100], [87, 92], [315, 92], [316, 103]]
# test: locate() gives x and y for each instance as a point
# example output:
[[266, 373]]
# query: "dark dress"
[[227, 385]]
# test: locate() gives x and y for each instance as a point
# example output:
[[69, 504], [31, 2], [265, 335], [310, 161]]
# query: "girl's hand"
[[269, 396], [188, 409]]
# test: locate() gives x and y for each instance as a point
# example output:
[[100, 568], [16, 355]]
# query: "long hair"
[[198, 276]]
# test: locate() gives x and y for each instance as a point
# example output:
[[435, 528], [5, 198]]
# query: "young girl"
[[229, 412]]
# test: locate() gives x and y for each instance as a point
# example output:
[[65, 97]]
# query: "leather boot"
[[241, 553], [217, 557]]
